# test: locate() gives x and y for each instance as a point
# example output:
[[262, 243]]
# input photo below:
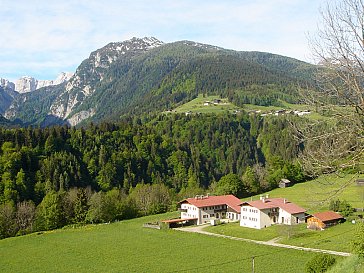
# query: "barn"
[[322, 220]]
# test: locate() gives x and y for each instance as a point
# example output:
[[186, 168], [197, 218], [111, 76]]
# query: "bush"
[[319, 263]]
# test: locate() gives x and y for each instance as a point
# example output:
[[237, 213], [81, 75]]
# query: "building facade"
[[269, 211], [206, 208]]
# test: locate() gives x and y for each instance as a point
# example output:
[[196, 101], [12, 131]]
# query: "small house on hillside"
[[207, 208], [322, 220], [360, 182], [269, 211], [284, 183]]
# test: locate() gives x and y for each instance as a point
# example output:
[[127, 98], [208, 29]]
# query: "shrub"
[[319, 263]]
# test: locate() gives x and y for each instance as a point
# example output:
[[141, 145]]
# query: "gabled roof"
[[328, 216], [284, 180], [207, 201], [269, 203]]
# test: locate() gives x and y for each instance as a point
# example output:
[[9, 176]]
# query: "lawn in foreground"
[[128, 247]]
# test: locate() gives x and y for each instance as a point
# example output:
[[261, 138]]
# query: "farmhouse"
[[322, 220], [207, 208], [268, 211]]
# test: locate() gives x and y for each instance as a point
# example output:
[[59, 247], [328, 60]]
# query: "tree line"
[[139, 166]]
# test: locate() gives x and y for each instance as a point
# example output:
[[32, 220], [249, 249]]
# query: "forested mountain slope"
[[141, 76]]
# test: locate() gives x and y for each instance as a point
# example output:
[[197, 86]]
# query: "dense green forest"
[[59, 175]]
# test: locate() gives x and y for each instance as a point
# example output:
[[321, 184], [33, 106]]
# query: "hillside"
[[128, 247], [6, 98], [316, 194], [118, 79]]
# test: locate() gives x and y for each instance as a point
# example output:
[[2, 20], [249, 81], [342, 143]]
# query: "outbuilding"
[[322, 220], [284, 183]]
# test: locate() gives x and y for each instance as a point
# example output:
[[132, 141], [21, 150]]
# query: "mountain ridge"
[[119, 78]]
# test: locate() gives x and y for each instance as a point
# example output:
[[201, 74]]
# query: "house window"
[[212, 215]]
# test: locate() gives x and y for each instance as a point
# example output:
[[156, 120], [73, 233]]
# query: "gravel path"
[[199, 229]]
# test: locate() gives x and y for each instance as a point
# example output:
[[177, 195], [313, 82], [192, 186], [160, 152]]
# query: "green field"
[[128, 247], [315, 195], [197, 105], [334, 238]]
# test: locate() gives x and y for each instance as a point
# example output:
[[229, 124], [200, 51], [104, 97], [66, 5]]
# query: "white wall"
[[202, 214], [289, 219], [250, 217]]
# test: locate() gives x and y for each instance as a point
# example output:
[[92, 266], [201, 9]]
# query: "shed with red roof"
[[322, 220]]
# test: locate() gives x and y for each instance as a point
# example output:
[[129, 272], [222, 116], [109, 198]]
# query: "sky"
[[41, 38]]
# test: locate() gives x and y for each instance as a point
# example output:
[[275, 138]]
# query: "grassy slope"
[[128, 247], [314, 196], [335, 238], [197, 105]]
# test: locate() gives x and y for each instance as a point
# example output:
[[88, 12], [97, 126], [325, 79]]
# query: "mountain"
[[7, 95], [145, 75], [29, 84]]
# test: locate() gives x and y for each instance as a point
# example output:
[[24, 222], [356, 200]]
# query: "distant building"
[[360, 182], [322, 220], [269, 211], [284, 183]]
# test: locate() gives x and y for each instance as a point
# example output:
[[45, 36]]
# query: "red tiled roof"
[[230, 200], [327, 216], [275, 203]]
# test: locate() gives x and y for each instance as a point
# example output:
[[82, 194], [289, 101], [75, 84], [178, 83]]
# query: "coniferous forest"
[[60, 176]]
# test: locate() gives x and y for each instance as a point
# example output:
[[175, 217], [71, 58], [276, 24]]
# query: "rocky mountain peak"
[[4, 83], [104, 56], [27, 84]]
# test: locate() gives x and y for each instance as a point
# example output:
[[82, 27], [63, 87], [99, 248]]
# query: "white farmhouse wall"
[[203, 214], [250, 217], [254, 218], [284, 217], [288, 219]]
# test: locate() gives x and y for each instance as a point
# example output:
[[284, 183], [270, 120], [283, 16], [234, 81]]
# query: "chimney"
[[285, 201], [263, 199]]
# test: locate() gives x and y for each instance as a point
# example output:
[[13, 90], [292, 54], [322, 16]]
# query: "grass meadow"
[[197, 105], [315, 195], [335, 238], [128, 247]]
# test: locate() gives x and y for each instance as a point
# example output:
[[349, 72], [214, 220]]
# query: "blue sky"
[[42, 38]]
